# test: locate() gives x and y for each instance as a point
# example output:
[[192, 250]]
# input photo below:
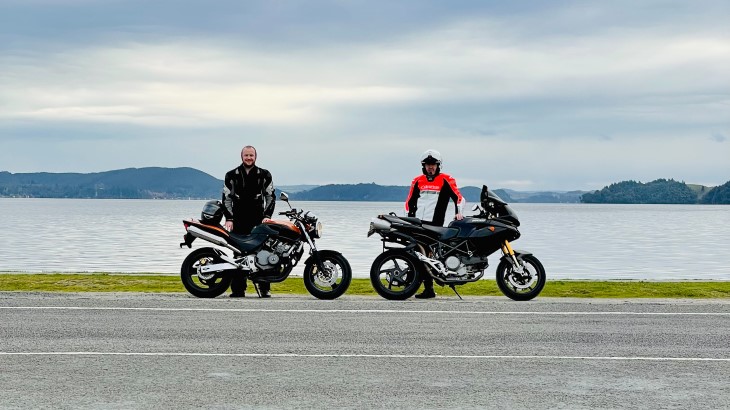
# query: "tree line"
[[660, 191]]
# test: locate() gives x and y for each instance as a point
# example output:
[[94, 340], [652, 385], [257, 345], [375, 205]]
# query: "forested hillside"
[[660, 191], [717, 195], [184, 183], [144, 183]]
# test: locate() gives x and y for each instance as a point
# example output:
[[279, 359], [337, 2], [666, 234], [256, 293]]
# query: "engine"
[[463, 265], [276, 252]]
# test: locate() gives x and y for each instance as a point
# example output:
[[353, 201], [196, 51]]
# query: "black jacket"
[[257, 203]]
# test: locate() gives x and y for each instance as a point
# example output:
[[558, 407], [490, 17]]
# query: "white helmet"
[[431, 156]]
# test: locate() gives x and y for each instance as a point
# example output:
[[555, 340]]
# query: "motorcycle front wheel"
[[394, 275], [204, 285], [330, 282], [525, 286]]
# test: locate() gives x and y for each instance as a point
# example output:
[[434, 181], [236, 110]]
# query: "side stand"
[[452, 288]]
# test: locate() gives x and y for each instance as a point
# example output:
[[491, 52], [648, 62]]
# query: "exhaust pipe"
[[199, 233], [377, 224]]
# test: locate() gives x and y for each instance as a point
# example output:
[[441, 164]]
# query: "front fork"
[[507, 250], [312, 249]]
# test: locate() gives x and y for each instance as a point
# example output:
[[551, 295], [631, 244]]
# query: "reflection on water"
[[574, 241]]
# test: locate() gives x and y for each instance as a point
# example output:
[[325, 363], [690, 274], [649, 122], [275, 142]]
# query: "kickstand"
[[457, 293], [256, 287]]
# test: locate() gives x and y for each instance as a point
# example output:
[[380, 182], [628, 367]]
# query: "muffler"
[[207, 236]]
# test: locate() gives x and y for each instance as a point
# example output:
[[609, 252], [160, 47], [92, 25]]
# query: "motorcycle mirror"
[[284, 197], [485, 193]]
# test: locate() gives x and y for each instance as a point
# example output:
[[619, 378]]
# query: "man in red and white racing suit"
[[428, 199]]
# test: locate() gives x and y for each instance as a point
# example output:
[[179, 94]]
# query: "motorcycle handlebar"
[[291, 212]]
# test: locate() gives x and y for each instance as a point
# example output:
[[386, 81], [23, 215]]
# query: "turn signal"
[[491, 228]]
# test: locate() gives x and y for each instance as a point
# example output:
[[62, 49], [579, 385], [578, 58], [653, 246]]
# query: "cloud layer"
[[570, 95]]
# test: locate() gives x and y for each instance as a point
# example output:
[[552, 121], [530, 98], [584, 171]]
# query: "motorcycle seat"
[[444, 233], [247, 243], [399, 219], [414, 221]]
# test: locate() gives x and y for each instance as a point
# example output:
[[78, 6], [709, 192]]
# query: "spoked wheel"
[[200, 284], [330, 282], [521, 286], [395, 275]]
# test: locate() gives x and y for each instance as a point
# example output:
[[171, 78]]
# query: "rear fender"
[[187, 240]]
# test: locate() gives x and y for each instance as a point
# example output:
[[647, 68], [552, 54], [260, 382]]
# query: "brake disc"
[[524, 281], [203, 277], [328, 277]]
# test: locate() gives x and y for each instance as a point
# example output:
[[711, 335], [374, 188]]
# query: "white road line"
[[330, 311], [373, 356]]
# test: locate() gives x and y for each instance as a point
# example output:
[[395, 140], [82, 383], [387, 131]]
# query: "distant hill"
[[184, 183], [717, 195], [660, 191], [540, 196], [395, 193], [143, 183], [294, 188], [353, 192]]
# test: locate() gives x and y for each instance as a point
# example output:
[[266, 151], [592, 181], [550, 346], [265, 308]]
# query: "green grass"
[[155, 283]]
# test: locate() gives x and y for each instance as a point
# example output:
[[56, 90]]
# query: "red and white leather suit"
[[428, 199]]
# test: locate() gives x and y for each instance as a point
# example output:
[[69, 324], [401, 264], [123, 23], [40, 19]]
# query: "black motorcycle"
[[268, 254], [454, 255]]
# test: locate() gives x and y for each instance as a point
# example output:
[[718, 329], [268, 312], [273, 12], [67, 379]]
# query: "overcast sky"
[[528, 95]]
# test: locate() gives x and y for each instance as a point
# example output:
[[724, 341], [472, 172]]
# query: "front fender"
[[313, 257], [518, 254]]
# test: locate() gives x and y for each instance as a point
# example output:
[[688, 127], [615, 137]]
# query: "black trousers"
[[427, 281], [244, 226]]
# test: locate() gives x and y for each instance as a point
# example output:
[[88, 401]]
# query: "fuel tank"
[[283, 229], [486, 234]]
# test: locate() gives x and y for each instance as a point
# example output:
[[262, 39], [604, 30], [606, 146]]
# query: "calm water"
[[574, 241]]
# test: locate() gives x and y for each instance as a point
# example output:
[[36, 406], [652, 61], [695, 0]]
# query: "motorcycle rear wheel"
[[395, 275], [333, 281], [212, 287], [516, 287]]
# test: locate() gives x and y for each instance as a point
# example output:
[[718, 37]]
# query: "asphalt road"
[[119, 351]]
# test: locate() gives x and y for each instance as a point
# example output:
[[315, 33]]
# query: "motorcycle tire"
[[333, 281], [199, 287], [517, 288], [395, 275]]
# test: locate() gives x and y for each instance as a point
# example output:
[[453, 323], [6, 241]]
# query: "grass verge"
[[155, 283]]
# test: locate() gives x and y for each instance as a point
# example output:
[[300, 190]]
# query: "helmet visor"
[[430, 161]]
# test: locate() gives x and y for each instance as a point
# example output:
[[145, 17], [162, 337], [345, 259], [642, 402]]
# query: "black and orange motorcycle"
[[267, 254]]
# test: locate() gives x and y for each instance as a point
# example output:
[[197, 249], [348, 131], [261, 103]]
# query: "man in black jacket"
[[248, 198]]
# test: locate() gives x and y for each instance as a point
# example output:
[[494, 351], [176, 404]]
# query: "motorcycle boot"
[[238, 287], [264, 290], [428, 292]]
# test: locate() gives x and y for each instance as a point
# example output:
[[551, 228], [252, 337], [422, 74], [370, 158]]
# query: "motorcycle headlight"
[[319, 229]]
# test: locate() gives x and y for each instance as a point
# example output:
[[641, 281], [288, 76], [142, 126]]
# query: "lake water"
[[574, 241]]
